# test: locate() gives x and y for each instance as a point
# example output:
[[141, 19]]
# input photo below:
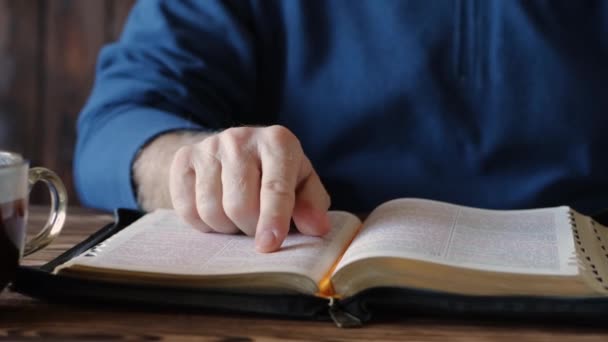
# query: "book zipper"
[[341, 318]]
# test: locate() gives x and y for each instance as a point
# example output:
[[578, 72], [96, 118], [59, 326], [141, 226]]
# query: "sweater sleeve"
[[178, 65]]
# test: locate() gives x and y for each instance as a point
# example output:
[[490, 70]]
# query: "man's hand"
[[252, 180]]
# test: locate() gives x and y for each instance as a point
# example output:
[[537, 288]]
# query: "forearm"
[[159, 78], [151, 168]]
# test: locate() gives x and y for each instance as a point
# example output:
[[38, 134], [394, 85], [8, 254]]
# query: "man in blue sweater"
[[244, 114]]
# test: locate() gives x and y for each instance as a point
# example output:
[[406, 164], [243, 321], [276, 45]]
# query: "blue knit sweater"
[[489, 103]]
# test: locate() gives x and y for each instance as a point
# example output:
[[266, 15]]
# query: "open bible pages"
[[538, 241], [160, 243]]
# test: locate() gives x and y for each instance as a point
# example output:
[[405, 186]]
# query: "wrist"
[[151, 167]]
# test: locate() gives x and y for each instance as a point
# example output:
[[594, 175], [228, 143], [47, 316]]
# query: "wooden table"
[[23, 318]]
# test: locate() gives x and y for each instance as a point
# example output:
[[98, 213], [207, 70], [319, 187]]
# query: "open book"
[[404, 243]]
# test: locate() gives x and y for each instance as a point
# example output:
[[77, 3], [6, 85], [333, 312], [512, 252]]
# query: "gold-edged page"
[[537, 241], [161, 244]]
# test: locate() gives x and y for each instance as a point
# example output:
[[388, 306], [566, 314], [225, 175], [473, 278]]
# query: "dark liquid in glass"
[[12, 230]]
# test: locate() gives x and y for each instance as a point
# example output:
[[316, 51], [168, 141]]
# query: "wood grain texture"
[[20, 73], [118, 15], [75, 32], [22, 318], [48, 51]]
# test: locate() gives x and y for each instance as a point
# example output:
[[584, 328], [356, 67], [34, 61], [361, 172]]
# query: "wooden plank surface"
[[117, 16], [23, 318], [20, 73], [74, 34], [48, 51]]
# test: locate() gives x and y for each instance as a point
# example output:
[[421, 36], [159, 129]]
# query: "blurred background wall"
[[48, 50]]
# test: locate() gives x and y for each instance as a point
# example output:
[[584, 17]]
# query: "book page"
[[538, 241], [161, 243]]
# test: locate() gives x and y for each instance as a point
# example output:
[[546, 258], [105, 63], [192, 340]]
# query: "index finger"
[[280, 169]]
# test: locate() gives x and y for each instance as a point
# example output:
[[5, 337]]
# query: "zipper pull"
[[341, 318]]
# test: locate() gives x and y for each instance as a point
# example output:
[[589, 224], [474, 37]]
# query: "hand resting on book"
[[249, 179]]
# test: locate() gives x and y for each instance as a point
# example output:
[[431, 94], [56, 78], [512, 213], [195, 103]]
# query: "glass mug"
[[16, 181]]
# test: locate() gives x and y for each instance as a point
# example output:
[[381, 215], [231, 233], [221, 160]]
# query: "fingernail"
[[265, 241]]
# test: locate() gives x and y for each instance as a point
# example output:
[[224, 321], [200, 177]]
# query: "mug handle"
[[59, 203]]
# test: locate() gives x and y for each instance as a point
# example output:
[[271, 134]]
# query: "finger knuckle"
[[182, 155], [240, 211], [209, 145], [208, 151], [208, 211], [281, 135], [238, 133], [190, 215], [236, 148], [279, 187]]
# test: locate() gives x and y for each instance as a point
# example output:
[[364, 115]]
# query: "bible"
[[413, 248]]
